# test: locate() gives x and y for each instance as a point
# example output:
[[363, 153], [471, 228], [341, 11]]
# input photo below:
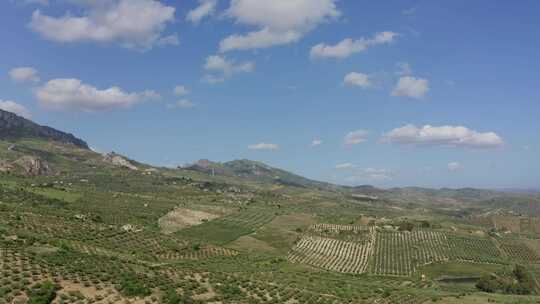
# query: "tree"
[[43, 293]]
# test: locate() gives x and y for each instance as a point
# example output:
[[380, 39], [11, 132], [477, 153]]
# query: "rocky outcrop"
[[13, 126], [34, 166], [119, 161], [5, 166]]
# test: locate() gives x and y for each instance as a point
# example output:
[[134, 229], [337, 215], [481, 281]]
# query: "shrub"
[[43, 293], [132, 287]]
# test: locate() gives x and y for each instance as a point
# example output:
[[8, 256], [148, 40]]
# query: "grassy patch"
[[458, 269], [65, 196]]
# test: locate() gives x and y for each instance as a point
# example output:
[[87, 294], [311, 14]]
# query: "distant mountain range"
[[13, 126], [257, 171]]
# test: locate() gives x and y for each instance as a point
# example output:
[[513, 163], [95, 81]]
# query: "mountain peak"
[[13, 126]]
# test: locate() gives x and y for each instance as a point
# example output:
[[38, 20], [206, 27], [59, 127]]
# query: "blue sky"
[[390, 93]]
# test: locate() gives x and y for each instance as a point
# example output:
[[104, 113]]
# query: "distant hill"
[[258, 171], [13, 126]]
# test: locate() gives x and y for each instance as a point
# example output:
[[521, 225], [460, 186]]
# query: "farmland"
[[97, 233]]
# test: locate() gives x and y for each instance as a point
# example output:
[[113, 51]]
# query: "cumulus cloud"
[[182, 104], [180, 90], [411, 87], [13, 107], [206, 8], [357, 79], [131, 23], [316, 142], [24, 74], [256, 40], [264, 146], [454, 166], [348, 46], [225, 68], [277, 21], [451, 136], [356, 137], [72, 94]]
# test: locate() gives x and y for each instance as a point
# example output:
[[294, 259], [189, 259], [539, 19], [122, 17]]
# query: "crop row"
[[519, 251], [202, 253], [400, 253], [335, 228], [249, 219], [473, 249], [332, 254]]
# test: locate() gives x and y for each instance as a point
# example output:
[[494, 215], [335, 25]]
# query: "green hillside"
[[77, 226]]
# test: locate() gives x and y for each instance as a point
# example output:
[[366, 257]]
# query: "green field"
[[91, 230]]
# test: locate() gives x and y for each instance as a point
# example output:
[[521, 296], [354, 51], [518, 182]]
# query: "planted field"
[[250, 219], [474, 249], [517, 250], [400, 253], [403, 299], [227, 229], [332, 254], [352, 233], [198, 254]]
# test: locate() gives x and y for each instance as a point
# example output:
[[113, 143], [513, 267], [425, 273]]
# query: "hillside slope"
[[13, 126], [258, 171]]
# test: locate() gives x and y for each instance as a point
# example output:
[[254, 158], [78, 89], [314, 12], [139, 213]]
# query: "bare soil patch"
[[181, 218]]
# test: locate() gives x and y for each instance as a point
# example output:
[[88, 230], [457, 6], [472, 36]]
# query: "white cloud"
[[454, 166], [357, 79], [206, 8], [356, 137], [264, 146], [278, 21], [180, 90], [344, 166], [182, 104], [24, 74], [348, 46], [411, 87], [316, 142], [13, 107], [132, 23], [225, 68], [72, 94], [404, 69], [452, 136], [259, 39]]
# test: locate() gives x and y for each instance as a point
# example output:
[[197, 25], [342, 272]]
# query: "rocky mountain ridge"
[[13, 126]]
